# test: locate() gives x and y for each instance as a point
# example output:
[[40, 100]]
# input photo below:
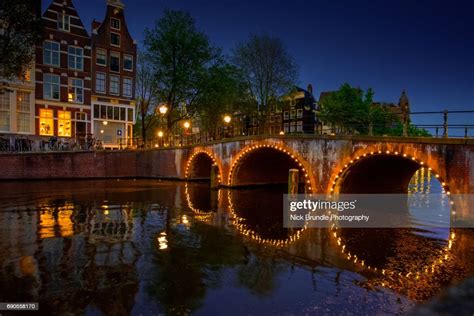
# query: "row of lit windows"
[[46, 121], [114, 84], [52, 88], [115, 113], [23, 101], [114, 60]]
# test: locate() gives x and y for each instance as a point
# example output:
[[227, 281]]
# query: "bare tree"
[[267, 66], [146, 91]]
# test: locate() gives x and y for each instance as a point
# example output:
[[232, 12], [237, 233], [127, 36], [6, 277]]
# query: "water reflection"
[[149, 247]]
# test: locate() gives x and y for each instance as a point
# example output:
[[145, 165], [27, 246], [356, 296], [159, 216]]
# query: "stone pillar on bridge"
[[214, 177], [293, 179]]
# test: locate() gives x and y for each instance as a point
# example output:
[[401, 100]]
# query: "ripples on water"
[[147, 247]]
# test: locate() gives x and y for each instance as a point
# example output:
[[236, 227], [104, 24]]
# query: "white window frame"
[[119, 24], [112, 82], [62, 17], [123, 86], [125, 57], [97, 54], [299, 113], [119, 39], [74, 88], [23, 111], [76, 57], [51, 53], [114, 54], [105, 82], [6, 109], [51, 89], [299, 126]]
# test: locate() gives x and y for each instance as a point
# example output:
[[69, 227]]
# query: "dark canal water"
[[148, 247]]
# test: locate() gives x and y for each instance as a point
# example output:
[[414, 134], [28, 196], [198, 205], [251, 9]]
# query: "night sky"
[[425, 47]]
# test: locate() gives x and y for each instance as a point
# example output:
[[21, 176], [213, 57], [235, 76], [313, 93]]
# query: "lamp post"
[[163, 109], [186, 126], [160, 135], [227, 118]]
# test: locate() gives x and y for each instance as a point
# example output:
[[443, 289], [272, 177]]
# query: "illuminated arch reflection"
[[399, 266]]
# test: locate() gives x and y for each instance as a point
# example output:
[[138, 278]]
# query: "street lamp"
[[160, 134], [105, 123], [187, 125], [163, 109], [227, 119]]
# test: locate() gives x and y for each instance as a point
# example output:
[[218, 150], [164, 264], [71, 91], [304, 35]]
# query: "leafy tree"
[[267, 66], [19, 31], [224, 92], [348, 108], [180, 56]]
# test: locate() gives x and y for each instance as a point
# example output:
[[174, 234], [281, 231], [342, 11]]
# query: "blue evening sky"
[[425, 47]]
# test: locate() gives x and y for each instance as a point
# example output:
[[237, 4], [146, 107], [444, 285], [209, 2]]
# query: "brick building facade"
[[114, 58], [63, 78]]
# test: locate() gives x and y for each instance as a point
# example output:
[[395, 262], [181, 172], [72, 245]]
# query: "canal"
[[147, 246]]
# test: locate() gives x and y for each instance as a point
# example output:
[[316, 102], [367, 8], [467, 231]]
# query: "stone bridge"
[[346, 164]]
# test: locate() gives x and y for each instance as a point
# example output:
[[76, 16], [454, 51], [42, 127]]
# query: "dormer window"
[[115, 23], [63, 22]]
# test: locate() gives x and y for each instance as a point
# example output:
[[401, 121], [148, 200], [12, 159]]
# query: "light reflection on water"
[[121, 247]]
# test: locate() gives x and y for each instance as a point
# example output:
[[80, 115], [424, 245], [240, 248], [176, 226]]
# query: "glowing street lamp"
[[105, 123], [187, 125], [160, 134], [227, 119], [163, 109], [282, 133]]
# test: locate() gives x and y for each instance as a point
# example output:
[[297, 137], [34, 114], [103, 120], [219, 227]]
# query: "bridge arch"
[[268, 163], [199, 164], [378, 171]]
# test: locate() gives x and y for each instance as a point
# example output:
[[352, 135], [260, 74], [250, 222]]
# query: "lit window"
[[51, 53], [75, 57], [292, 114], [63, 22], [101, 57], [76, 90], [115, 23], [46, 122], [127, 87], [23, 111], [5, 111], [114, 84], [51, 87], [64, 123], [100, 82], [115, 39], [128, 62]]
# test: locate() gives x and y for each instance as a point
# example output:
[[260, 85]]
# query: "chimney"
[[310, 88]]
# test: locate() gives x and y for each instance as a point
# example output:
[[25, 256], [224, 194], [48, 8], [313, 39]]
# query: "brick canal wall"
[[89, 165]]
